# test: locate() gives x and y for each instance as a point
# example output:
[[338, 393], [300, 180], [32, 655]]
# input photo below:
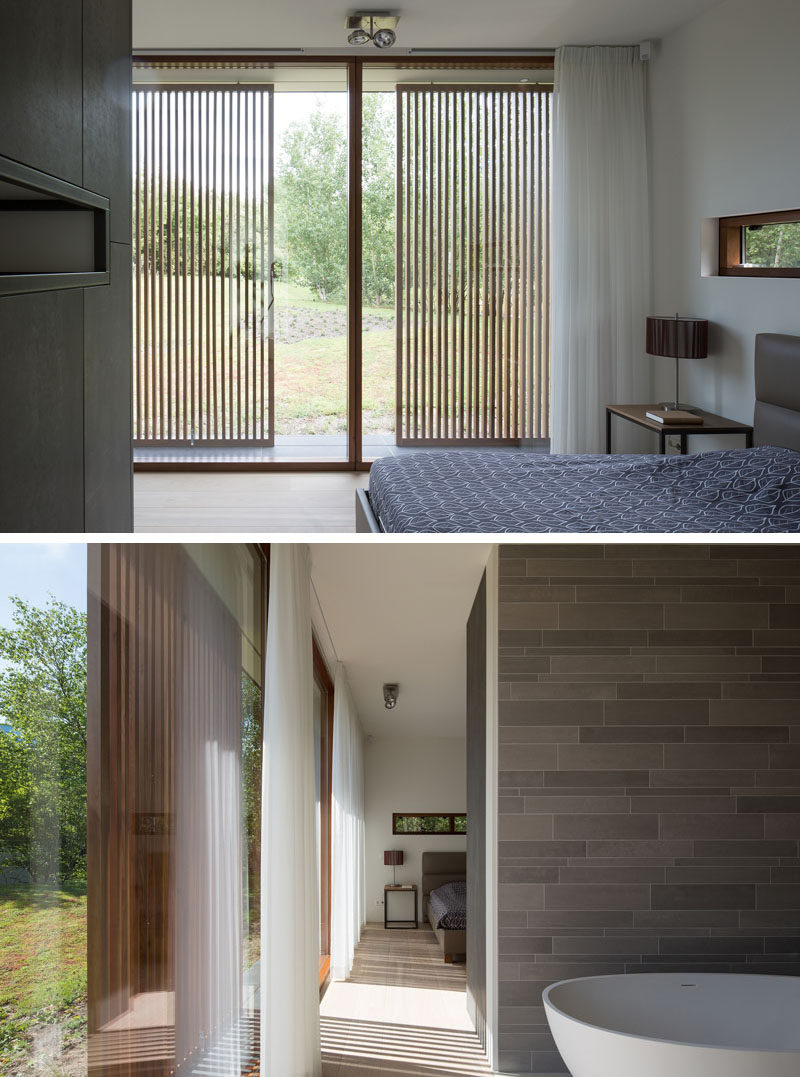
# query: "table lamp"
[[677, 338], [393, 857]]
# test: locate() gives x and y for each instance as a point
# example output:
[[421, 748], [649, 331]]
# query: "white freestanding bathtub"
[[677, 1025]]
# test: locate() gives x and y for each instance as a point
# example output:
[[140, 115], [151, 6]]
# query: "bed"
[[488, 491], [438, 871]]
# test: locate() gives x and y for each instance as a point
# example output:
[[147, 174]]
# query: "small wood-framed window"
[[429, 823], [760, 245]]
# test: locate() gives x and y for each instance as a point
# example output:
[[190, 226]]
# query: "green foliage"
[[252, 729], [312, 195], [43, 757], [312, 201], [773, 245]]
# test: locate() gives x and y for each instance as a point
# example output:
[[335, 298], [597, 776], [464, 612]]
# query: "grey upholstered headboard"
[[441, 868], [776, 419]]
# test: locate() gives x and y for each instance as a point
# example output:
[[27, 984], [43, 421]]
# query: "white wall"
[[409, 774], [725, 139]]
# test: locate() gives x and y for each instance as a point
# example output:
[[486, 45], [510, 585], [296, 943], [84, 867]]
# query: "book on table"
[[675, 417]]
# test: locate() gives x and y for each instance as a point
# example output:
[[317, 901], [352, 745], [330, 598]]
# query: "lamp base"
[[669, 405]]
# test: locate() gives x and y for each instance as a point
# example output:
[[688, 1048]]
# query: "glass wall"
[[174, 752], [43, 809]]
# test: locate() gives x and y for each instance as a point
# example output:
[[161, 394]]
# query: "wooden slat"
[[204, 223], [472, 276]]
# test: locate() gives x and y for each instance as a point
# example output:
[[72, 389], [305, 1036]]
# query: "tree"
[[312, 194], [378, 192], [312, 188], [43, 755]]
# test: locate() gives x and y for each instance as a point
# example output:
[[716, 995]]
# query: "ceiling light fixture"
[[378, 27], [390, 696]]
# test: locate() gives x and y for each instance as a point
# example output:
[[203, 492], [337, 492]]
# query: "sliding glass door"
[[337, 260]]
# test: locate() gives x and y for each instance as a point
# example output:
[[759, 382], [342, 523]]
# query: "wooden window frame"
[[731, 231], [452, 816], [323, 678]]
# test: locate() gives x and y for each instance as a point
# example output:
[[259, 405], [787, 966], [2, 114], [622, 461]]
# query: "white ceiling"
[[451, 24], [397, 612]]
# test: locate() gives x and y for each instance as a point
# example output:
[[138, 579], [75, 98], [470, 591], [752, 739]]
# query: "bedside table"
[[411, 888], [712, 424]]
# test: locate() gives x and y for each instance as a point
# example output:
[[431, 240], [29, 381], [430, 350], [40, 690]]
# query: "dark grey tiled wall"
[[649, 785]]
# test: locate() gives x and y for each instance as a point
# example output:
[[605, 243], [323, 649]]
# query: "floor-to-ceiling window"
[[339, 260], [174, 793]]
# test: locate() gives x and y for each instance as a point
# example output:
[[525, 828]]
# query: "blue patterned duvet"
[[449, 906], [485, 491]]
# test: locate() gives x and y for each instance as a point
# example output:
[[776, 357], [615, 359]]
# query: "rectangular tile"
[[611, 805], [674, 690], [708, 663], [784, 615], [727, 896], [656, 712], [562, 690], [627, 592], [611, 756], [676, 779], [615, 615], [542, 849], [738, 734], [590, 639], [547, 734], [536, 592], [602, 663], [784, 757], [765, 804], [708, 805], [625, 872], [638, 849], [630, 944], [525, 827], [520, 873], [528, 757], [525, 615], [701, 638], [620, 734], [775, 897], [523, 666], [515, 779], [670, 919], [575, 566], [663, 567], [511, 896], [691, 945], [718, 756], [726, 849], [718, 874], [784, 825], [551, 712], [605, 896], [759, 690], [556, 779], [726, 615], [711, 826], [574, 919], [733, 592], [605, 826]]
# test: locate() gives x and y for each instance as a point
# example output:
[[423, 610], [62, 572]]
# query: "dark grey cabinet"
[[65, 355]]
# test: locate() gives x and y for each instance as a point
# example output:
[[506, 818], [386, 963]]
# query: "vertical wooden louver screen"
[[203, 228], [473, 276]]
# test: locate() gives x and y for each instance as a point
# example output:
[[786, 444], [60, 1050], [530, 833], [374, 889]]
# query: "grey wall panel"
[[107, 379], [476, 812], [41, 85], [41, 412], [664, 767], [107, 107]]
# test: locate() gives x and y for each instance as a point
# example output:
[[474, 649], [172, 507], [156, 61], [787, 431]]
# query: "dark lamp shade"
[[678, 338], [393, 857]]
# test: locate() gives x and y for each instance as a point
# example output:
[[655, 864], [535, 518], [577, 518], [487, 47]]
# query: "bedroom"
[[707, 138]]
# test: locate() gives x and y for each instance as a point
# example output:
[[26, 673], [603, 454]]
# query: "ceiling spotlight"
[[384, 39], [358, 37], [390, 696], [378, 27]]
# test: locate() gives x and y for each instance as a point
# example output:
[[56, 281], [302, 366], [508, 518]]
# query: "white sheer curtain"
[[348, 882], [600, 242], [290, 1045]]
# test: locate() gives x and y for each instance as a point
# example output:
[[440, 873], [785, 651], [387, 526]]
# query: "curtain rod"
[[324, 619]]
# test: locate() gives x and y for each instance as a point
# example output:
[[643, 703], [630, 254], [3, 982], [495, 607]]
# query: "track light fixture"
[[379, 28], [390, 696]]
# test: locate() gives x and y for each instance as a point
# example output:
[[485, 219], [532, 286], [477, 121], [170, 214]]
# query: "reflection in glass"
[[174, 756]]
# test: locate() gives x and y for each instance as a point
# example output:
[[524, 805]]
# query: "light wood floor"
[[402, 1011], [255, 502]]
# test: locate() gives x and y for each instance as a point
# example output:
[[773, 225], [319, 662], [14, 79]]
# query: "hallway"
[[403, 1011]]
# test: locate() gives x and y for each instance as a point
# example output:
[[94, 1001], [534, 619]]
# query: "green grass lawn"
[[42, 975]]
